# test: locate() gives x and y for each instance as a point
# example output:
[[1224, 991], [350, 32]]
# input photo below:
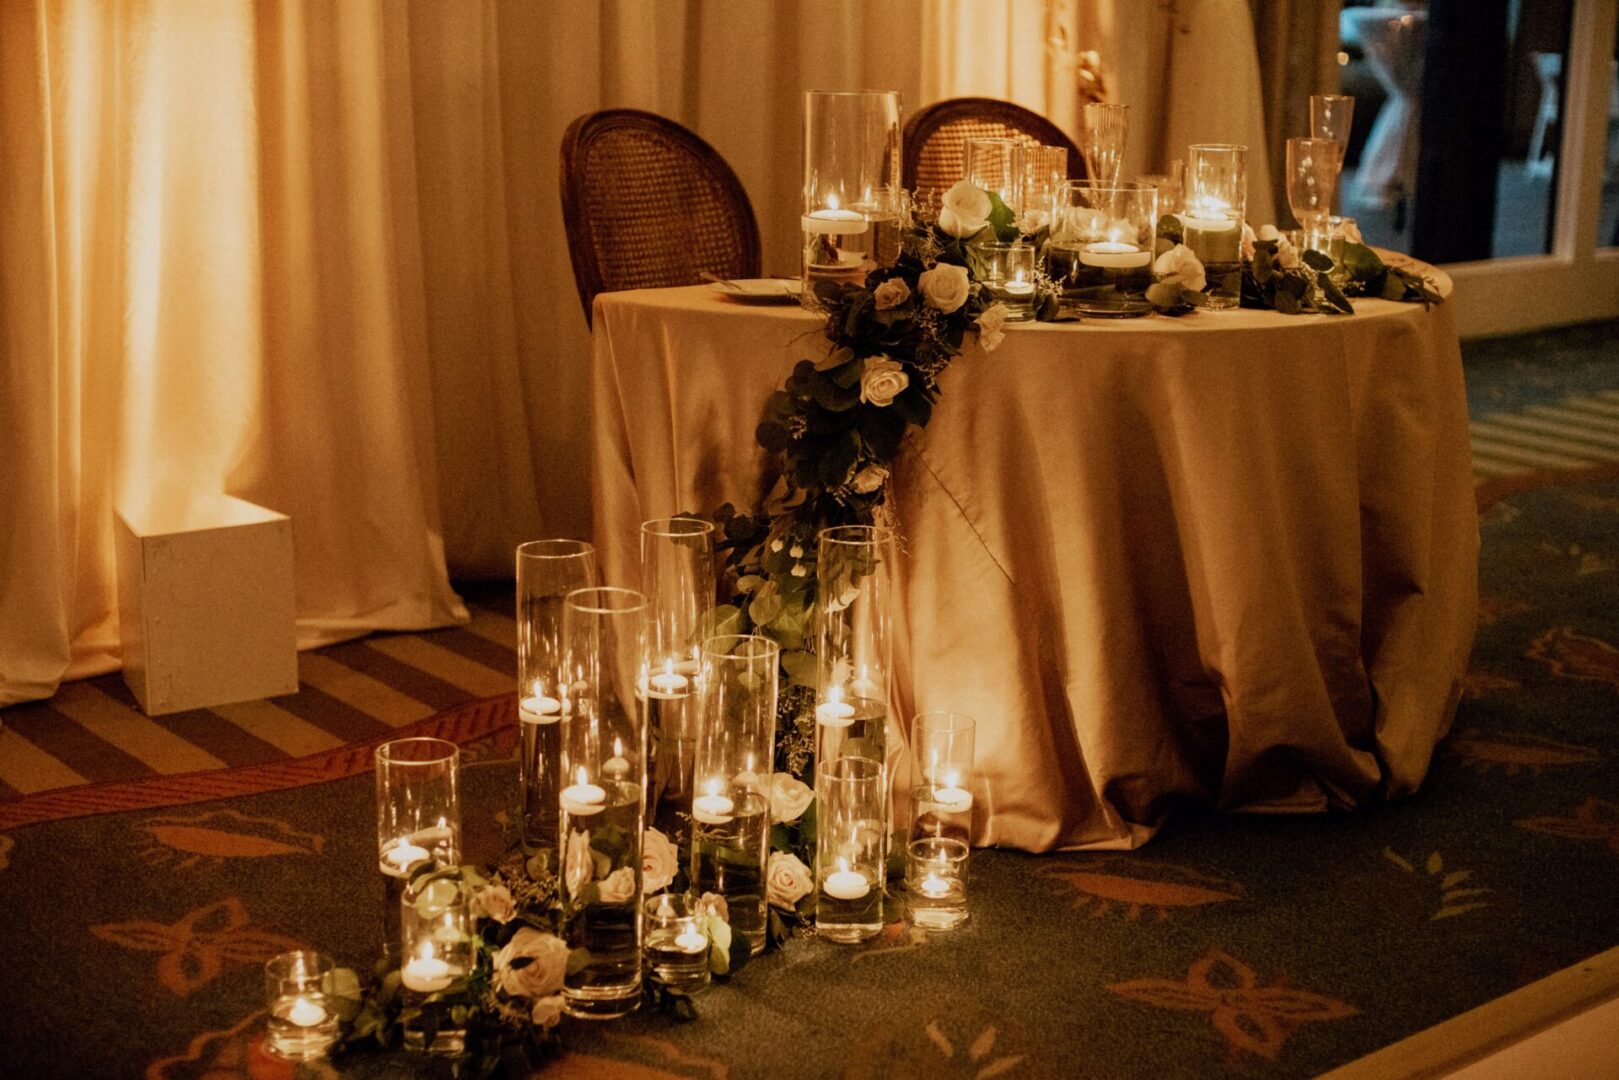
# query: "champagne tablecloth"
[[1228, 559]]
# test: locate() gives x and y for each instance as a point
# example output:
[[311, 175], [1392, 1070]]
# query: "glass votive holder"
[[438, 952], [936, 883], [303, 1020], [1216, 203], [676, 945], [1009, 277], [1101, 247], [852, 823]]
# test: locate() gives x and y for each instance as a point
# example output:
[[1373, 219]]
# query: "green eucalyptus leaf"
[[1317, 261]]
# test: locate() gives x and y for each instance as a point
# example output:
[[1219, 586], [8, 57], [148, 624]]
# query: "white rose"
[[618, 886], [578, 867], [1248, 238], [1178, 266], [1032, 221], [789, 798], [787, 880], [659, 861], [883, 379], [546, 957], [1348, 230], [866, 481], [991, 326], [714, 904], [964, 210], [945, 286], [1286, 254], [547, 1011], [892, 293], [495, 902]]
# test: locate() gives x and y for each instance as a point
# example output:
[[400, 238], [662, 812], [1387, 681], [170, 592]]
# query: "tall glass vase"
[[854, 660], [735, 746], [418, 818], [604, 746], [851, 186], [547, 571], [677, 575], [1216, 205]]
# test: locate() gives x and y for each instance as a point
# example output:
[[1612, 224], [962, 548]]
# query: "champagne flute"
[[1331, 117], [1105, 129], [1312, 174]]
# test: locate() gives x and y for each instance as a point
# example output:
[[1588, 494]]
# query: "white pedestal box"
[[205, 603]]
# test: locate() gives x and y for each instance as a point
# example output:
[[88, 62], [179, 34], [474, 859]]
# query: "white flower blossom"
[[869, 479], [1178, 266], [789, 797], [883, 379], [945, 287], [788, 880], [992, 326], [891, 294], [964, 211], [547, 957], [659, 861]]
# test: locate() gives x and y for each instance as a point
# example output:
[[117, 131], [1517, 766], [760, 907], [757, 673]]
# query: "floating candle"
[[540, 708], [834, 222], [305, 1013], [404, 855], [617, 766], [668, 683], [1114, 255], [713, 808], [935, 886], [1016, 288], [835, 712], [846, 885], [584, 798], [426, 974], [691, 941]]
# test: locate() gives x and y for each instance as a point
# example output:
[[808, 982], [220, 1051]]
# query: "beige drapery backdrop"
[[1297, 44], [309, 252]]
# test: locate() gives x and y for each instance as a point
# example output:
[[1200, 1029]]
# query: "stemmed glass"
[[1105, 129], [1331, 117], [1312, 174]]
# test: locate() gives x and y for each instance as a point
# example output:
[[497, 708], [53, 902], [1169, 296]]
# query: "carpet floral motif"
[[197, 948], [205, 838], [1575, 656], [1453, 895], [1517, 752], [965, 1043], [1131, 886], [1250, 1017], [1595, 819], [236, 1053]]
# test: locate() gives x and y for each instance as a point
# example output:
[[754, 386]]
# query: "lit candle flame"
[[618, 747], [714, 786], [583, 776], [835, 696], [831, 202], [669, 666]]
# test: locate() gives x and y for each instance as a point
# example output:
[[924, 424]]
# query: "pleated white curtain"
[[310, 253]]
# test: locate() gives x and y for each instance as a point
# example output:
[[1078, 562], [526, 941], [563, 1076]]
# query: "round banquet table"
[[1228, 559]]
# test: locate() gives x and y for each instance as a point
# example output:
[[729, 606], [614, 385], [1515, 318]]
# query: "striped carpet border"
[[1577, 433], [92, 734], [467, 723]]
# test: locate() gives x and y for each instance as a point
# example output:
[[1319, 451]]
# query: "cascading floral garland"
[[834, 431]]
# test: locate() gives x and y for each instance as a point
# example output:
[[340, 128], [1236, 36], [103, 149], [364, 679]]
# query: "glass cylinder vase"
[[1211, 220], [851, 186], [851, 824], [438, 953], [735, 749], [853, 641], [1100, 252], [940, 835], [1008, 275], [1040, 171], [547, 571], [677, 576], [991, 165], [604, 744], [418, 817], [303, 1022]]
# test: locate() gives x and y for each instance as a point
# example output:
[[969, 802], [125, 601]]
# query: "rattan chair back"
[[936, 137], [648, 203]]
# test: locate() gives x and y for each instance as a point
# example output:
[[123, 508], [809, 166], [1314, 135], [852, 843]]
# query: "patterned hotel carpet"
[[139, 909]]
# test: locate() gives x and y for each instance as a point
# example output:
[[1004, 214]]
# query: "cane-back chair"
[[647, 203], [936, 137]]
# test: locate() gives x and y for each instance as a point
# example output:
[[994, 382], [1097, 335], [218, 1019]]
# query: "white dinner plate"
[[759, 290]]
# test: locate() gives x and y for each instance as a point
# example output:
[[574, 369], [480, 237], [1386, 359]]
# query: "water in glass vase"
[[849, 253], [401, 859], [729, 858], [674, 754], [854, 728], [541, 749], [601, 889]]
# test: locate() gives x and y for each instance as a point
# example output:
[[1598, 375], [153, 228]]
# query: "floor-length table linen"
[[1229, 559]]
